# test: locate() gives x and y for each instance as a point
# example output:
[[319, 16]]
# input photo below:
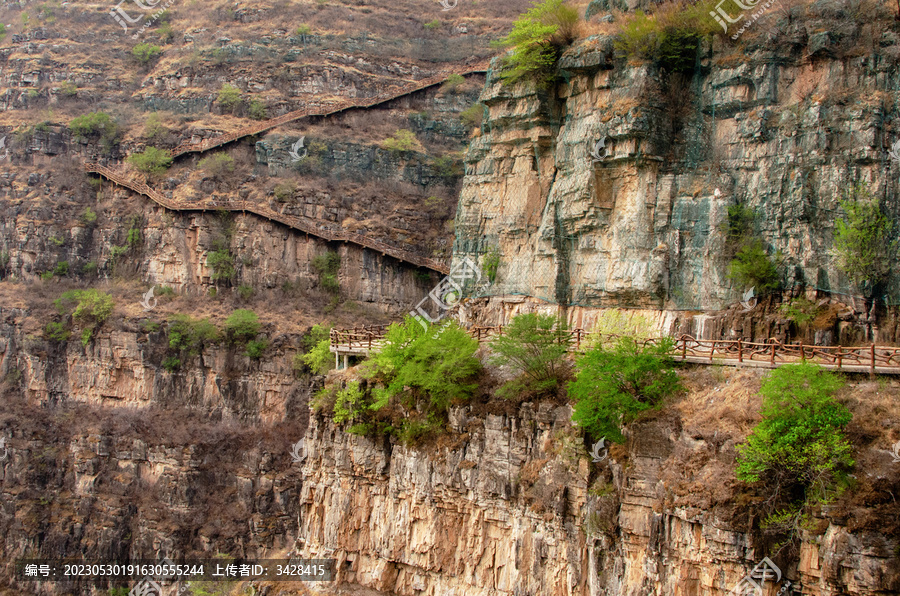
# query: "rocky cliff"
[[614, 190], [512, 503]]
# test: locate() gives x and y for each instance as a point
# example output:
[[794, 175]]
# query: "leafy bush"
[[863, 242], [613, 322], [613, 387], [349, 403], [88, 217], [245, 292], [798, 450], [56, 331], [91, 309], [473, 115], [402, 141], [166, 32], [217, 166], [2, 31], [670, 37], [242, 325], [151, 161], [171, 363], [752, 267], [432, 25], [303, 30], [435, 363], [491, 263], [537, 39], [800, 310], [536, 346], [229, 97], [326, 267], [257, 347], [284, 191], [189, 336], [317, 356], [739, 226], [144, 52], [221, 265], [258, 110], [453, 83], [95, 124], [153, 127], [62, 269]]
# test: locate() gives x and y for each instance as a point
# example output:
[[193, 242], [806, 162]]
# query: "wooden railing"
[[307, 227], [768, 354], [326, 109]]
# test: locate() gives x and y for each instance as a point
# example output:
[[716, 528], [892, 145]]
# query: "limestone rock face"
[[507, 510], [615, 192]]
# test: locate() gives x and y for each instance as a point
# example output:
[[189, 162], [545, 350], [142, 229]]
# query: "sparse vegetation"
[[473, 115], [230, 97], [145, 52], [151, 161], [863, 243], [316, 355], [752, 267], [403, 140], [326, 267], [490, 263], [188, 336], [88, 308], [95, 124], [536, 347], [258, 110], [217, 166]]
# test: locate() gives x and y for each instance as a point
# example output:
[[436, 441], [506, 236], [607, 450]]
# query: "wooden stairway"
[[297, 223], [322, 110]]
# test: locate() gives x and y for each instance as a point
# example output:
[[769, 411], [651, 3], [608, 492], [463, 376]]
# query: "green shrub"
[[95, 124], [171, 363], [257, 347], [613, 387], [417, 374], [453, 82], [165, 32], [448, 166], [229, 97], [491, 263], [151, 161], [47, 275], [284, 191], [2, 31], [536, 347], [221, 265], [242, 325], [752, 267], [798, 450], [863, 242], [303, 30], [349, 403], [144, 52], [739, 226], [62, 269], [537, 39], [403, 140], [245, 292], [189, 336], [317, 356], [432, 25], [68, 89], [55, 331], [326, 267], [473, 115], [88, 217], [217, 166], [670, 37], [89, 308], [800, 311], [258, 110]]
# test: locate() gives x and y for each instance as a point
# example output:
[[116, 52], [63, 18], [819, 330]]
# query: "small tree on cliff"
[[863, 243], [537, 39]]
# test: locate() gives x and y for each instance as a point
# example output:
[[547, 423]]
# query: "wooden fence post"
[[802, 353], [772, 357], [740, 351], [840, 357], [872, 369], [684, 348], [712, 350]]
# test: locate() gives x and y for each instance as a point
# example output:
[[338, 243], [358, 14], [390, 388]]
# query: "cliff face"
[[512, 504], [615, 191]]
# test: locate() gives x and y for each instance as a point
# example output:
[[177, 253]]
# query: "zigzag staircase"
[[305, 226]]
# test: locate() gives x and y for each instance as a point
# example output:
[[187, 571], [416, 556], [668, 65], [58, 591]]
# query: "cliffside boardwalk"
[[772, 353], [310, 227]]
